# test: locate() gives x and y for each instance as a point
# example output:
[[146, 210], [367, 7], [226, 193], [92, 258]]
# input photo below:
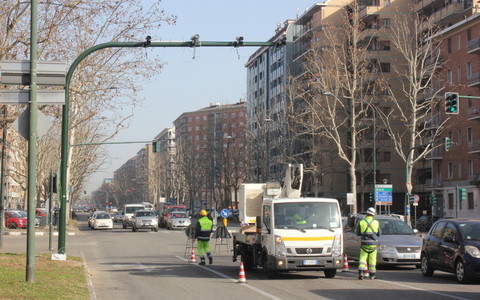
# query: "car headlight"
[[473, 251], [385, 248], [280, 248], [337, 245]]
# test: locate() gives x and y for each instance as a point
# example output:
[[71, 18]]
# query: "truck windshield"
[[309, 215]]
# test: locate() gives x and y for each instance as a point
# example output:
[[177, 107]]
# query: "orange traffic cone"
[[366, 274], [192, 257], [345, 263], [241, 274]]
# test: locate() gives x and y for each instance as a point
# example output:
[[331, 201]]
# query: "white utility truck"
[[283, 232]]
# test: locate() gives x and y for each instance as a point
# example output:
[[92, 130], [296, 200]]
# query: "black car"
[[453, 245]]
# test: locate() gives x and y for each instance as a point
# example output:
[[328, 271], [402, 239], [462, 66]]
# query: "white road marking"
[[417, 288], [235, 280]]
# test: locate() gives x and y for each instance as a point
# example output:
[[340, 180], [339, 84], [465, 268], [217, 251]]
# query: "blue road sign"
[[383, 194], [225, 213]]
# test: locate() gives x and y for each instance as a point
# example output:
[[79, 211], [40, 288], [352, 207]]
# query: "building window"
[[450, 201], [470, 200], [204, 118], [449, 77], [387, 23], [469, 70], [469, 135], [460, 170], [459, 40], [450, 170], [449, 45], [385, 67], [459, 74], [470, 167], [469, 35], [189, 119]]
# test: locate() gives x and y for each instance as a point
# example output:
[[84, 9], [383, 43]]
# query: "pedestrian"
[[202, 234], [369, 230]]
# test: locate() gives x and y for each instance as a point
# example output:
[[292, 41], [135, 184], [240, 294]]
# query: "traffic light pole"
[[194, 42]]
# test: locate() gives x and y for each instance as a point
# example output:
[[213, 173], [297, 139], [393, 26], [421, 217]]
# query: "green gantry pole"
[[32, 147], [195, 42]]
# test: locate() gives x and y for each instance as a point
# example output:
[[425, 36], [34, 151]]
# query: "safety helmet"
[[371, 211], [203, 212]]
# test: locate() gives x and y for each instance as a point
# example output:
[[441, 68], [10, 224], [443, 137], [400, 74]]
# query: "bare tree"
[[105, 86], [416, 104], [338, 90]]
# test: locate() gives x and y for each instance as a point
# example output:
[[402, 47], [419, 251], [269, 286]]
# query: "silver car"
[[398, 244], [144, 219], [178, 220]]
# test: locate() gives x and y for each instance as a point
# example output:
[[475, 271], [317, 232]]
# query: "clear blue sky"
[[214, 75]]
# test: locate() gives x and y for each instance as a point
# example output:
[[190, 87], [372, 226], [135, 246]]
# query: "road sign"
[[416, 198], [383, 194], [350, 199], [45, 97], [225, 213], [17, 72]]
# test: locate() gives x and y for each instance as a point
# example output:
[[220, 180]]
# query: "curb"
[[36, 233]]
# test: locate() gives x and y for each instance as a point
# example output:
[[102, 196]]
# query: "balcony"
[[436, 153], [433, 183], [428, 4], [473, 46], [448, 14], [368, 11], [474, 147], [474, 80], [474, 113]]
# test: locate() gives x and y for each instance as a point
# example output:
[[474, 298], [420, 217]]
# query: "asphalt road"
[[154, 265]]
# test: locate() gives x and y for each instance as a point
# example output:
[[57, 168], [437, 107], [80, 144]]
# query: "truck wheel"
[[330, 273], [269, 273], [246, 259]]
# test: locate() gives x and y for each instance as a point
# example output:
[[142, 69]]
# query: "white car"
[[178, 220], [101, 220], [144, 219]]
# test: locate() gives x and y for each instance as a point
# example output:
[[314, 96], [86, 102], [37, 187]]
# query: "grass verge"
[[53, 279]]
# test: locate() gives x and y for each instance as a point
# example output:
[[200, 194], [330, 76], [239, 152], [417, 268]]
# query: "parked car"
[[144, 219], [15, 219], [178, 220], [398, 244], [101, 219], [453, 245], [90, 219]]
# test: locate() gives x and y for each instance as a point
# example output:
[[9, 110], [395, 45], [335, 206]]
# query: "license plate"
[[409, 255], [309, 262]]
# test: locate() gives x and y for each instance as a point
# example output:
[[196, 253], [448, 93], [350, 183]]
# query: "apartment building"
[[211, 153], [457, 169]]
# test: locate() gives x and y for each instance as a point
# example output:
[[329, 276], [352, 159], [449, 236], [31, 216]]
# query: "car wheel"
[[124, 226], [330, 273], [155, 229], [460, 273], [426, 269]]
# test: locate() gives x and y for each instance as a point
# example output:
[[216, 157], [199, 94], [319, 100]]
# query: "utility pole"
[[194, 42]]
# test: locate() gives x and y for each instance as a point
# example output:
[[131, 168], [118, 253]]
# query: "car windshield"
[[308, 215], [145, 214], [133, 209], [23, 213], [470, 231], [15, 214], [179, 215], [103, 216], [394, 227]]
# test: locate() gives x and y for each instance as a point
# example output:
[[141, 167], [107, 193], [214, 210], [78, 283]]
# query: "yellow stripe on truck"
[[313, 238]]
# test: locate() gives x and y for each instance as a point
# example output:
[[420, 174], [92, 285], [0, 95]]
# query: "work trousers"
[[368, 254], [203, 247]]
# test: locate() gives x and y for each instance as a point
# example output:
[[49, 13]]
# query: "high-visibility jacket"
[[204, 229], [298, 219], [369, 231]]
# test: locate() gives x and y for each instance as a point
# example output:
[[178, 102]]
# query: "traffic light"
[[155, 146], [433, 199], [410, 198], [448, 143], [451, 103], [462, 194]]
